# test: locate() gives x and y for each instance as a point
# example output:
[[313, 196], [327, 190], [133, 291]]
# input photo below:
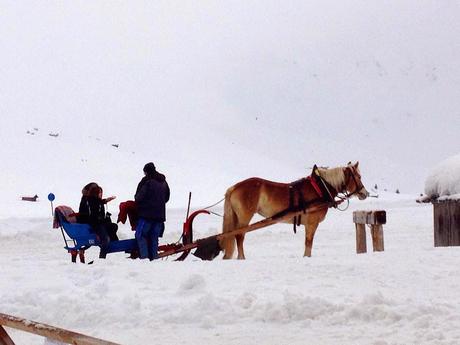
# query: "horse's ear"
[[349, 163], [315, 170], [357, 163]]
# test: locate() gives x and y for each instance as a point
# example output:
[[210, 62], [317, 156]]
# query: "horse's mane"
[[334, 176]]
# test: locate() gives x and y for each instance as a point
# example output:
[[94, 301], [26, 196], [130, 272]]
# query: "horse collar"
[[323, 186], [315, 185]]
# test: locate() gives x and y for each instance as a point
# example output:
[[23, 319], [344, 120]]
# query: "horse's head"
[[353, 182]]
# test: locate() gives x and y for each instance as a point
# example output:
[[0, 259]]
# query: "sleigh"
[[80, 237]]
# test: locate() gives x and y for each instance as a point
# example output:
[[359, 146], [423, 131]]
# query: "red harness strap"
[[315, 186]]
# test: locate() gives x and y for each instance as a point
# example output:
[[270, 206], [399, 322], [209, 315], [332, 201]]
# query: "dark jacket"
[[91, 211], [151, 197]]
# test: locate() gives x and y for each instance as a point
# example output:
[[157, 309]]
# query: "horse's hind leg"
[[243, 221], [229, 246], [239, 244]]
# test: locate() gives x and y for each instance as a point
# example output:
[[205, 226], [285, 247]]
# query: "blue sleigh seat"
[[81, 237], [81, 234]]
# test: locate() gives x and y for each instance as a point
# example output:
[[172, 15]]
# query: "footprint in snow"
[[193, 283]]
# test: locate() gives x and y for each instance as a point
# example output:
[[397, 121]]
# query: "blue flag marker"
[[51, 197]]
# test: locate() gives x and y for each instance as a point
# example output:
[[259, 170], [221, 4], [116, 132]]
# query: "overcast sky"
[[234, 89]]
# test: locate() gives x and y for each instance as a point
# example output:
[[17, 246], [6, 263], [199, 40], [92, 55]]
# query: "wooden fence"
[[41, 329]]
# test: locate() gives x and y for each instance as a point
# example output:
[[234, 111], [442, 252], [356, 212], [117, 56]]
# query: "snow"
[[215, 93], [404, 295], [444, 181]]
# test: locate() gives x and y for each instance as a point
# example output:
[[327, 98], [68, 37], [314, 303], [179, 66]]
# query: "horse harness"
[[325, 191], [321, 187]]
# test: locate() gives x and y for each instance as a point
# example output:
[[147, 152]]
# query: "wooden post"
[[375, 219], [377, 238], [361, 246]]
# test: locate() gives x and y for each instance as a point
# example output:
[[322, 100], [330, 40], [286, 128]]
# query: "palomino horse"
[[267, 198]]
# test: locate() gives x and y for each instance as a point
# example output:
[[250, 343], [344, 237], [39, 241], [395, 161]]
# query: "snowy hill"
[[220, 92]]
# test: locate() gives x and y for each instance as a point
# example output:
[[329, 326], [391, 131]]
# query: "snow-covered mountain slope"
[[223, 91]]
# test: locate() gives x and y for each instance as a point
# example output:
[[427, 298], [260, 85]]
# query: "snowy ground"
[[405, 295]]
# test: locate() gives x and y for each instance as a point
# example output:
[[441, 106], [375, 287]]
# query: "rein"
[[215, 204]]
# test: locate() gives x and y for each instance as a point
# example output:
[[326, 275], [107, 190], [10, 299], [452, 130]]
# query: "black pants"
[[101, 231], [112, 231]]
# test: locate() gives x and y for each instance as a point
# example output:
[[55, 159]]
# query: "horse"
[[268, 198]]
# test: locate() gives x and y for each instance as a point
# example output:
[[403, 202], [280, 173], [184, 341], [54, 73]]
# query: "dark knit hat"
[[149, 168]]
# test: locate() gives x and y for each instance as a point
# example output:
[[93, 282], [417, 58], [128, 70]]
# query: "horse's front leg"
[[310, 229]]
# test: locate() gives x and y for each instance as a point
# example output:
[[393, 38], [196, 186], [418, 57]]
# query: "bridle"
[[345, 195], [358, 185]]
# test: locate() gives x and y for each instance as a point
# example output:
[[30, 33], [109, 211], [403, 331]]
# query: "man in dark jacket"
[[151, 197]]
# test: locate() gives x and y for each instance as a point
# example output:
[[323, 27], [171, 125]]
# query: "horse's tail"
[[230, 220]]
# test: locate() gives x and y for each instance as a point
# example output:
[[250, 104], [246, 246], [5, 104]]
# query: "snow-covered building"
[[444, 181], [442, 188]]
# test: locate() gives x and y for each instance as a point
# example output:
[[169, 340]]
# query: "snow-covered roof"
[[444, 180]]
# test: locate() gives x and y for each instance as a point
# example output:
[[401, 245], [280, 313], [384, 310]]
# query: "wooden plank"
[[446, 217], [455, 223], [440, 228], [370, 217], [285, 216], [50, 332], [361, 246], [377, 238], [5, 338]]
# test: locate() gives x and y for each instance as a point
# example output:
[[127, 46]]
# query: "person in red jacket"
[[151, 197]]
